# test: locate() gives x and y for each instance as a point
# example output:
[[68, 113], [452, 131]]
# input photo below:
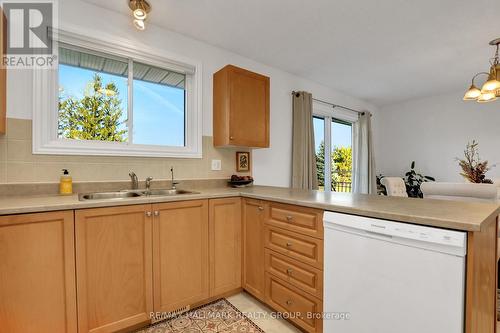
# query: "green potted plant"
[[413, 180]]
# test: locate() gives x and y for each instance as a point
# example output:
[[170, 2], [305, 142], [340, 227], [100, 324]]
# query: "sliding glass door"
[[333, 140]]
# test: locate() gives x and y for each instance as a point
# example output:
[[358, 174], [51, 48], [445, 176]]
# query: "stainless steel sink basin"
[[127, 194], [167, 192], [109, 195]]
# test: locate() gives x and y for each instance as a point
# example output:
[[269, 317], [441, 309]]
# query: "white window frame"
[[327, 112], [46, 91]]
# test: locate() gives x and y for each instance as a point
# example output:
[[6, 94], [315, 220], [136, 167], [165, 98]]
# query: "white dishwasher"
[[388, 277]]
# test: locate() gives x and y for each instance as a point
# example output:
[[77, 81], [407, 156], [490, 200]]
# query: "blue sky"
[[158, 109], [341, 134]]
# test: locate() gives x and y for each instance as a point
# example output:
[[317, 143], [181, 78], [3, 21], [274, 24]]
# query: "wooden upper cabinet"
[[241, 108], [253, 247], [37, 273], [225, 245], [180, 254], [113, 267]]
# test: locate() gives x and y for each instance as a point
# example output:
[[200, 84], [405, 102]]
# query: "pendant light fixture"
[[140, 9], [490, 91]]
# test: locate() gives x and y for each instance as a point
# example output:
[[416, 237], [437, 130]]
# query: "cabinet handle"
[[261, 208], [148, 214], [289, 244], [289, 218], [156, 213], [289, 302], [289, 271], [231, 138]]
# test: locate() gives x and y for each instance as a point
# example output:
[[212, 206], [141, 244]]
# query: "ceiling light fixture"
[[490, 91], [140, 10]]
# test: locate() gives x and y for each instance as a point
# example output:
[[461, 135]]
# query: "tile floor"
[[250, 306]]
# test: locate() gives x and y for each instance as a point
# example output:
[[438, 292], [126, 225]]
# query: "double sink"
[[127, 194]]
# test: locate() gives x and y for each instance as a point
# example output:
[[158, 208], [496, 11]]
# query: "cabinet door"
[[180, 254], [225, 245], [37, 273], [253, 247], [249, 109], [113, 267]]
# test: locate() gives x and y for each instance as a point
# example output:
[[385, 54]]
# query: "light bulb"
[[486, 97], [139, 24], [140, 14], [491, 86], [472, 94]]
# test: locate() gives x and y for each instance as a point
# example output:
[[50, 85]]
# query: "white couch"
[[462, 191]]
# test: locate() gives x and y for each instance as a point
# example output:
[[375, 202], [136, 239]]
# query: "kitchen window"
[[112, 100], [333, 138]]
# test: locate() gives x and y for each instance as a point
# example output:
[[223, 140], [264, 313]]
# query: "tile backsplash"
[[19, 165]]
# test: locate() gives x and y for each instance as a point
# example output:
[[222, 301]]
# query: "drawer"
[[307, 221], [305, 249], [302, 276], [302, 309]]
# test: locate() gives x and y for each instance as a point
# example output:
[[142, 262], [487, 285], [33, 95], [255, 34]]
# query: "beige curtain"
[[303, 152], [364, 177]]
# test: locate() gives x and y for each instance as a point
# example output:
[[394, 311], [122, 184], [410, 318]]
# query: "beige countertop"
[[467, 216]]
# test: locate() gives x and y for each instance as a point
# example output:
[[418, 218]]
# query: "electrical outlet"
[[216, 165]]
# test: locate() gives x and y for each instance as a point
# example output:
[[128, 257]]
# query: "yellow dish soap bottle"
[[66, 183]]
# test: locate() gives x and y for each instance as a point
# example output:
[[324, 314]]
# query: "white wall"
[[434, 131], [270, 166]]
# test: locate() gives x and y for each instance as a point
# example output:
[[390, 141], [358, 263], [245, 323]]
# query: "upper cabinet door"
[[241, 108], [113, 267], [37, 273]]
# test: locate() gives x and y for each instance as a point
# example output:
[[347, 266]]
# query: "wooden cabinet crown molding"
[[241, 108]]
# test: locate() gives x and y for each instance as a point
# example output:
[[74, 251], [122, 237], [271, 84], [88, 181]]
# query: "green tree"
[[320, 164], [342, 164], [95, 116]]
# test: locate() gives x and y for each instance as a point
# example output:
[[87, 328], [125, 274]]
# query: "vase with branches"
[[473, 169]]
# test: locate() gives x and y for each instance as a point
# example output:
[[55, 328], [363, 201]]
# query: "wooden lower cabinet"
[[305, 249], [298, 274], [113, 267], [37, 273], [303, 309], [225, 245], [180, 254], [253, 247]]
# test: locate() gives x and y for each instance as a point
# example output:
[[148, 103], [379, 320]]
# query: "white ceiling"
[[382, 51]]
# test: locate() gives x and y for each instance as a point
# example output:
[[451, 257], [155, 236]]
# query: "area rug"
[[217, 317]]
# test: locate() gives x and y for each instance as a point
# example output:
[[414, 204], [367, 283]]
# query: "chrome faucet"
[[134, 180], [173, 182], [148, 183]]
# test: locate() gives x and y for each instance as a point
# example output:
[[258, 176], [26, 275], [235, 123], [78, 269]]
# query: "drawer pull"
[[289, 244], [289, 218], [148, 214], [289, 271], [261, 208], [289, 302]]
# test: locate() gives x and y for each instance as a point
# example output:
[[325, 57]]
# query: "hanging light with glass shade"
[[140, 9], [490, 91]]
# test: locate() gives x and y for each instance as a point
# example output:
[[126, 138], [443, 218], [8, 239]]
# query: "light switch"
[[216, 165]]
